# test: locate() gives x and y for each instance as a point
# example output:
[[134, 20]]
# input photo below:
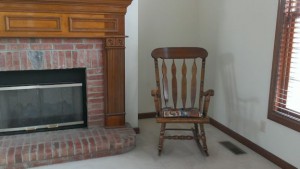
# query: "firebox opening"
[[41, 100]]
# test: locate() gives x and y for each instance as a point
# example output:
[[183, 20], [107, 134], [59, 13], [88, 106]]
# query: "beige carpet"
[[176, 154]]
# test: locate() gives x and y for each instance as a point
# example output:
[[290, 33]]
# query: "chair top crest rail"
[[179, 53]]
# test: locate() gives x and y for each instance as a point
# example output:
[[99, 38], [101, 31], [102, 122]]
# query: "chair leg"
[[196, 133], [161, 137], [197, 137], [196, 128], [203, 139]]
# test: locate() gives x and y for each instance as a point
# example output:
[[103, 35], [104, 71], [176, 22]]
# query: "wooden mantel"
[[77, 19]]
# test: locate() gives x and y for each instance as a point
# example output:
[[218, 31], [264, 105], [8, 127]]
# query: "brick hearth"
[[44, 148]]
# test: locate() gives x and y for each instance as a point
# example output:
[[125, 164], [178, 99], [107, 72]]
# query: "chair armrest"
[[154, 92], [157, 102], [207, 94]]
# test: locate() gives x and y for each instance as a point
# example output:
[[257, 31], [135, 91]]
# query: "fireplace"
[[62, 35], [71, 19], [40, 100]]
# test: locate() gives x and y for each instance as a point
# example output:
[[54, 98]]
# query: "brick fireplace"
[[77, 19], [44, 148], [69, 34]]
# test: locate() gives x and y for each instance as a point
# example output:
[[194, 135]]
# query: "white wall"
[[162, 23], [239, 34], [239, 37], [131, 64]]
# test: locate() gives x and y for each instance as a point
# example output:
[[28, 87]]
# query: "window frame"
[[277, 65]]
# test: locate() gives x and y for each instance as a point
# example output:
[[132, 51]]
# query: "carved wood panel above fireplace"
[[77, 19]]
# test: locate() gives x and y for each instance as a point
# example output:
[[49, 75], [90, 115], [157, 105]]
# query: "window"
[[284, 102]]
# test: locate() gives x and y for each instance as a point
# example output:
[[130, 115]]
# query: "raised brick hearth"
[[43, 148], [36, 149]]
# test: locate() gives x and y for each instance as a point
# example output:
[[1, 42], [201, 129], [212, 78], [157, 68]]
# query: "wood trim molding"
[[271, 157], [136, 130], [79, 24], [66, 6], [38, 23], [147, 115], [115, 82]]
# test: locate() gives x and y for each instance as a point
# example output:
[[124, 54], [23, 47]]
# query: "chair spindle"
[[183, 84], [174, 84], [165, 83], [193, 84], [202, 84]]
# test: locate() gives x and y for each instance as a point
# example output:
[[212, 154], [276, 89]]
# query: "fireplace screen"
[[41, 106]]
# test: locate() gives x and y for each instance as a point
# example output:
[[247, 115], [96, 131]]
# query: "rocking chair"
[[170, 112]]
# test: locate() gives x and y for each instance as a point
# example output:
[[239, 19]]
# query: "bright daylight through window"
[[293, 95], [284, 102]]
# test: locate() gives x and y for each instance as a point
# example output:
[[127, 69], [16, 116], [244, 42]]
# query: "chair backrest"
[[192, 77]]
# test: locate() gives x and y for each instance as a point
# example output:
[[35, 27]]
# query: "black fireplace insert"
[[40, 100]]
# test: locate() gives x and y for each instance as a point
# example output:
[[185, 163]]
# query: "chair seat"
[[181, 112]]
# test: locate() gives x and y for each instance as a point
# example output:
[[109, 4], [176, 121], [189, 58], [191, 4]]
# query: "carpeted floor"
[[176, 154]]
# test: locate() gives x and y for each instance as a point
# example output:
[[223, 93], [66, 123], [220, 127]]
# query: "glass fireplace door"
[[40, 106]]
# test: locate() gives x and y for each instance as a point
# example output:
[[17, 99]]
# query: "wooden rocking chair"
[[170, 113]]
